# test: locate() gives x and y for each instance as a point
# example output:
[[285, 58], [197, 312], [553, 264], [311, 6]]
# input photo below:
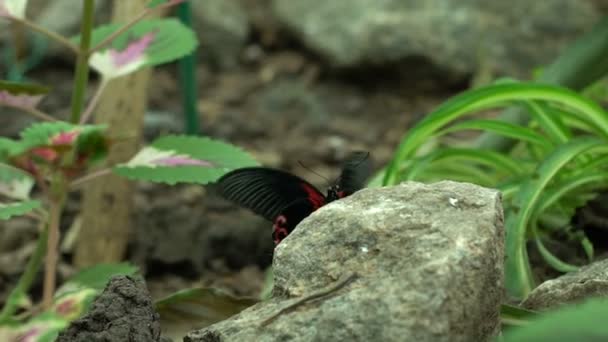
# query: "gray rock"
[[510, 37], [222, 27], [429, 261], [122, 312], [589, 281]]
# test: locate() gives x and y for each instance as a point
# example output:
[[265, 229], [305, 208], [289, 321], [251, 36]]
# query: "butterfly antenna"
[[313, 171]]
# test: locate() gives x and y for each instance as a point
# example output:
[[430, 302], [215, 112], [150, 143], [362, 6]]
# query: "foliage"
[[70, 302], [54, 156], [581, 322], [173, 159]]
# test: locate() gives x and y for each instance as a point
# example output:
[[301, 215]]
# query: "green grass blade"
[[553, 125], [518, 275], [501, 128], [488, 97]]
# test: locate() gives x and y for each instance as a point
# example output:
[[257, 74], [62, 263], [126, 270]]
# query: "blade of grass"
[[484, 98], [518, 274]]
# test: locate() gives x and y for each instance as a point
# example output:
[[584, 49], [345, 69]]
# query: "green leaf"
[[582, 322], [550, 258], [15, 183], [518, 275], [10, 209], [491, 97], [42, 328], [511, 315], [198, 308], [40, 134], [552, 124], [13, 8], [173, 159], [147, 43], [21, 95], [70, 305], [97, 276], [501, 128], [495, 160]]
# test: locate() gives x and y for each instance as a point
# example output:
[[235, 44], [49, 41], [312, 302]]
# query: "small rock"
[[123, 312], [428, 270], [574, 287]]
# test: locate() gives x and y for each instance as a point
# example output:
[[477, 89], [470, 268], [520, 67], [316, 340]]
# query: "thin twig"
[[34, 112], [93, 103], [57, 201], [88, 177], [50, 34], [342, 282]]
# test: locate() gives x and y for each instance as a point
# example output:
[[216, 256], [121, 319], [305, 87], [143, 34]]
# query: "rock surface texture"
[[123, 312], [588, 282], [510, 37], [428, 261]]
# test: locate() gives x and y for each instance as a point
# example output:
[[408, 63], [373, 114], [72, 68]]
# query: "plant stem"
[[89, 177], [57, 197], [93, 103], [82, 63], [26, 279], [34, 112], [50, 34], [187, 75]]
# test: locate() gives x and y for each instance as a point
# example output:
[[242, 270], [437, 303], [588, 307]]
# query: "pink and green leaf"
[[59, 145], [175, 159], [13, 8], [43, 328], [147, 43], [21, 95], [15, 183]]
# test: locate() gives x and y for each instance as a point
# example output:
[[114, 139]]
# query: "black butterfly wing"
[[355, 171], [268, 191], [289, 218]]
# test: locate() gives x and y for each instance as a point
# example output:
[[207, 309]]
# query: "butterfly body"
[[286, 199]]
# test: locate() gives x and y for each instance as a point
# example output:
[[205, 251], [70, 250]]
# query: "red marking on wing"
[[279, 231], [342, 194], [314, 197]]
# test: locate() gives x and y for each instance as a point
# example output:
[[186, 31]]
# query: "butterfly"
[[286, 199]]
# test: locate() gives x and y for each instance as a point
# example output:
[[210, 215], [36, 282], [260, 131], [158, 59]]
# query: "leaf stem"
[[57, 199], [34, 112], [93, 103], [26, 279], [89, 177], [82, 62], [48, 33]]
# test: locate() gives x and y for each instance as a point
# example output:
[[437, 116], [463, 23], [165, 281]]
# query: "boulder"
[[509, 37], [571, 288], [412, 262]]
